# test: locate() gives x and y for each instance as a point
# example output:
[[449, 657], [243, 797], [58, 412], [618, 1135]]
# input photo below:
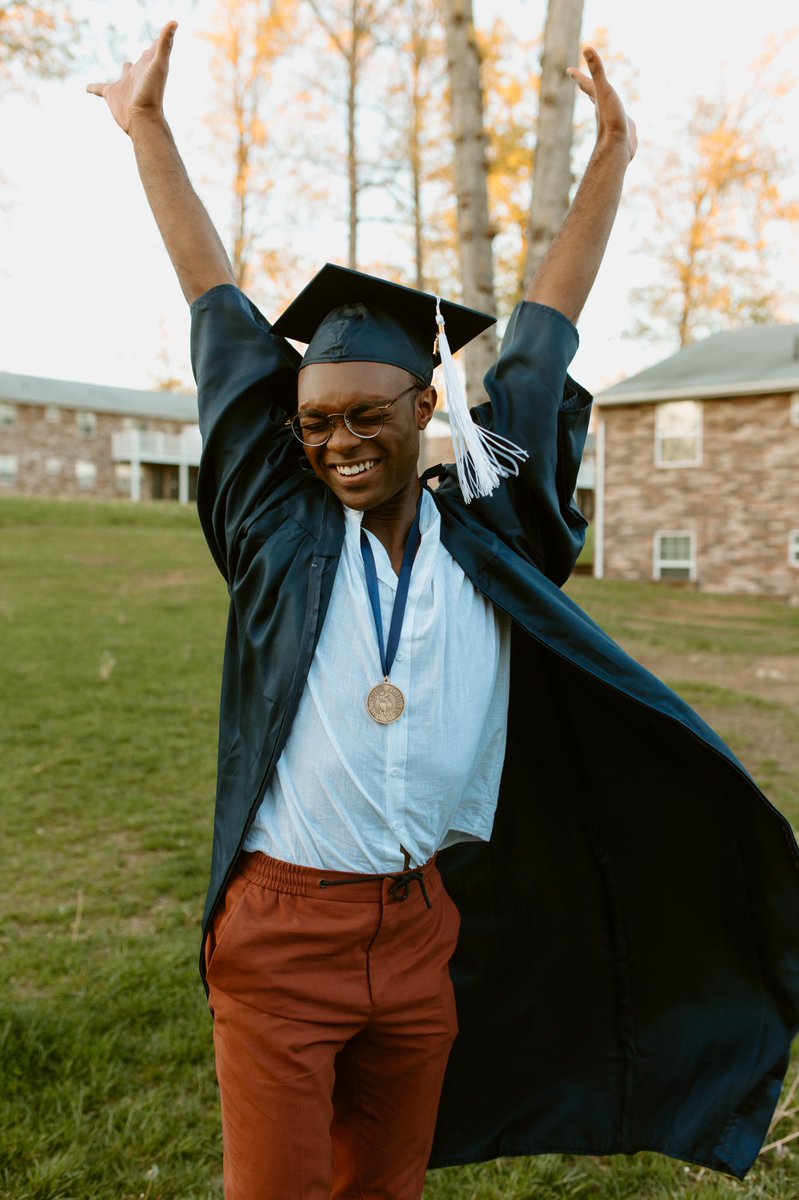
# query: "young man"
[[403, 675]]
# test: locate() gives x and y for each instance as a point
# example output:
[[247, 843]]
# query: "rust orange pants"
[[333, 1020]]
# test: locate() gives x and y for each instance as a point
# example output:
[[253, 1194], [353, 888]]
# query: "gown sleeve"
[[246, 389], [536, 404]]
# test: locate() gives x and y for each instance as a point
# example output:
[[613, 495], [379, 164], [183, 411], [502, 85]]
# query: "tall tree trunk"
[[249, 38], [552, 168], [352, 143], [350, 25], [241, 238], [471, 185], [418, 50]]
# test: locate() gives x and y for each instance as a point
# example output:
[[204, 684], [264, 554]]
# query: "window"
[[123, 474], [675, 554], [53, 415], [8, 415], [87, 424], [793, 548], [8, 468], [86, 474], [53, 466], [678, 434]]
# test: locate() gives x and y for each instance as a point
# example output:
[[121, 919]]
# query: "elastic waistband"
[[376, 888]]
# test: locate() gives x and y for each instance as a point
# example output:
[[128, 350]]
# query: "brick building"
[[59, 438], [698, 467], [437, 448]]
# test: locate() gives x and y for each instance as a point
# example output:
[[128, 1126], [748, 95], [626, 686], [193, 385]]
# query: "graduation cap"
[[347, 316]]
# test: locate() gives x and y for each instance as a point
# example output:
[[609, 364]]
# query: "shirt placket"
[[401, 734], [394, 734]]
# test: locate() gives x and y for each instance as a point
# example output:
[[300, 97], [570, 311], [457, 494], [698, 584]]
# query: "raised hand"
[[140, 88], [567, 274], [613, 124]]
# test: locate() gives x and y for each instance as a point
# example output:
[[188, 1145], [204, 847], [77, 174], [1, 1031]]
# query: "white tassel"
[[482, 457]]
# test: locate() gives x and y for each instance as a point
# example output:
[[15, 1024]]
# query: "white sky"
[[87, 291]]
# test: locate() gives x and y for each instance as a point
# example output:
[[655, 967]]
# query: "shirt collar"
[[429, 521], [428, 518]]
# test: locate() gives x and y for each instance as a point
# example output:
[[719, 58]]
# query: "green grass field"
[[112, 620]]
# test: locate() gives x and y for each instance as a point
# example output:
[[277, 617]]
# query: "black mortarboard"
[[347, 316]]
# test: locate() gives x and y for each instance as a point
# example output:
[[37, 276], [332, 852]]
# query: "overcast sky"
[[86, 289]]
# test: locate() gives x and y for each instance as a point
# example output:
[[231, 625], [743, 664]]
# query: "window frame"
[[10, 461], [696, 461], [82, 482], [86, 423], [658, 562], [9, 414]]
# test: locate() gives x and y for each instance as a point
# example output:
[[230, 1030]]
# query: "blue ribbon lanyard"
[[401, 598]]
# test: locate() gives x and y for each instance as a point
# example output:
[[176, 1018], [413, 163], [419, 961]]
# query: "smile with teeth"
[[355, 468]]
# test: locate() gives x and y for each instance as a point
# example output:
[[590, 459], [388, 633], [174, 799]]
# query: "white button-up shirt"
[[347, 792]]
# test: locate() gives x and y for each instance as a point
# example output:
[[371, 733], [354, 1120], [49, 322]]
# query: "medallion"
[[385, 703]]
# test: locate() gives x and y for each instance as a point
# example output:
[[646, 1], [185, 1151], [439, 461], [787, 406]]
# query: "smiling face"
[[373, 473]]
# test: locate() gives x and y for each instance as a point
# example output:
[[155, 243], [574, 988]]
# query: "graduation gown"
[[627, 975]]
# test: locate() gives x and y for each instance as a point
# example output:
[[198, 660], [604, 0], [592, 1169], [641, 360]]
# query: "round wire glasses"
[[364, 420]]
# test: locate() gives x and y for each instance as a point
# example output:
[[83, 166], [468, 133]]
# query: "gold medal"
[[385, 702]]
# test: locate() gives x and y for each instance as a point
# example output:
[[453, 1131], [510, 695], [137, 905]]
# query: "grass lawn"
[[112, 620]]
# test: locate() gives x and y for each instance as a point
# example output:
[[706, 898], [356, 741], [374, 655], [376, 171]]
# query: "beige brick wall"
[[40, 438], [34, 439], [742, 501]]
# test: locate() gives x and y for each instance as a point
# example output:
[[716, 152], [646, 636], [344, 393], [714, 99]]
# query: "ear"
[[425, 406]]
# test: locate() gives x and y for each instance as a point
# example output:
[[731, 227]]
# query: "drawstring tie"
[[399, 890]]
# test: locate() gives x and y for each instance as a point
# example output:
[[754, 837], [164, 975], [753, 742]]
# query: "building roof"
[[64, 393], [758, 360]]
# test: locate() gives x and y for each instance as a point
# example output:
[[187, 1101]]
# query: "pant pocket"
[[223, 918]]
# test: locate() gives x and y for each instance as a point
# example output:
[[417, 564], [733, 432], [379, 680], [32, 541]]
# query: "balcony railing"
[[137, 446], [149, 447]]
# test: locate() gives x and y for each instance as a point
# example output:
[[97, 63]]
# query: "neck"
[[391, 522]]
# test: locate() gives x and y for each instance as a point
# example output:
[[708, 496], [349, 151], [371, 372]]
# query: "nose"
[[341, 438]]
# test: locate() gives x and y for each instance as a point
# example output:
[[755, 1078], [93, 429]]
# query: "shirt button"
[[395, 771], [395, 824], [400, 657]]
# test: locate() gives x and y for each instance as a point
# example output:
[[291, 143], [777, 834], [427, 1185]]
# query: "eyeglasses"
[[364, 420]]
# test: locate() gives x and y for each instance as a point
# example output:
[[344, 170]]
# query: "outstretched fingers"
[[611, 116], [595, 64], [163, 43], [100, 89], [584, 82], [160, 49], [588, 83]]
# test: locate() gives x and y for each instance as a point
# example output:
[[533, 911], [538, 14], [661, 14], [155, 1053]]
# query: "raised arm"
[[570, 267], [136, 101]]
